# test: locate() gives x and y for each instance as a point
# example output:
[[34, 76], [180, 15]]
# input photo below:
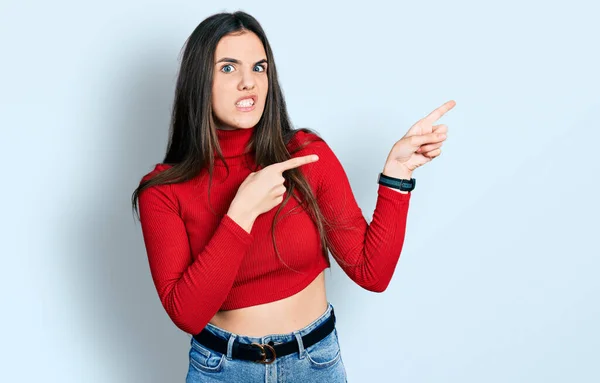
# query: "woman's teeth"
[[245, 103]]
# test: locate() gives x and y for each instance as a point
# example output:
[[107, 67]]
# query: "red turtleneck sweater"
[[202, 263]]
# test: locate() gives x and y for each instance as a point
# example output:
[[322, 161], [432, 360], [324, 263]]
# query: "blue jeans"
[[321, 362]]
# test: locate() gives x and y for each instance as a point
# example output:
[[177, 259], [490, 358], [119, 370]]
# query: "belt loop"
[[332, 313], [300, 344], [230, 346]]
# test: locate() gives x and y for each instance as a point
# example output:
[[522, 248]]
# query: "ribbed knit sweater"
[[202, 262]]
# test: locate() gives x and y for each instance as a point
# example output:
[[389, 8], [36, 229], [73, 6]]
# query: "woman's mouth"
[[245, 105]]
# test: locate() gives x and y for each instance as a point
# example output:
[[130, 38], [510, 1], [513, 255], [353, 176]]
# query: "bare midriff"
[[279, 317]]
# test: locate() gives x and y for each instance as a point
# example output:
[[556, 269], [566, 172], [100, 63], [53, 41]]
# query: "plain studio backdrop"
[[498, 278]]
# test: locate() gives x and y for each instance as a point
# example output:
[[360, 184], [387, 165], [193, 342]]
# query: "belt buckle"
[[264, 353]]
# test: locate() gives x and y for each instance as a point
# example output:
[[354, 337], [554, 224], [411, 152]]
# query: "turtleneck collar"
[[233, 144]]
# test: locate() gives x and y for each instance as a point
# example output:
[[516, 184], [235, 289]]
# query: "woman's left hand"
[[420, 144]]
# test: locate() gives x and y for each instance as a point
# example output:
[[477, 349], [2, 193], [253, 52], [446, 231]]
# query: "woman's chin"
[[237, 124], [245, 124]]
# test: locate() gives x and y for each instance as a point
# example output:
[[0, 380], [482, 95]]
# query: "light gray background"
[[498, 279]]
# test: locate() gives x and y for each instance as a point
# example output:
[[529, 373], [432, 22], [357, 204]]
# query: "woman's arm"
[[191, 291], [368, 253]]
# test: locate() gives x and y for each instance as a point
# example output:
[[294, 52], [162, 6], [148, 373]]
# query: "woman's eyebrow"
[[235, 61]]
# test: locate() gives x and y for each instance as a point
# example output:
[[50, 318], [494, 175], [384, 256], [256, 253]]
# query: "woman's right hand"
[[263, 190]]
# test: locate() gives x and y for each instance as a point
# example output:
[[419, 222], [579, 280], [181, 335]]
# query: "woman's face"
[[240, 81]]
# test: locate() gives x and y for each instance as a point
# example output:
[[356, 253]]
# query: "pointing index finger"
[[296, 162], [439, 112]]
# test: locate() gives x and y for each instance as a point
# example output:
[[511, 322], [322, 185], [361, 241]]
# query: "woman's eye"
[[224, 69], [229, 68]]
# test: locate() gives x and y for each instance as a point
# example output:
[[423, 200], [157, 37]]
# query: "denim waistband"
[[275, 338]]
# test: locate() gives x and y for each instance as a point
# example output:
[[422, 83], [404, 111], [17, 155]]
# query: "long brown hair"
[[193, 139]]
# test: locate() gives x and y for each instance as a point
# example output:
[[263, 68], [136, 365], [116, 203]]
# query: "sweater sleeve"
[[368, 253], [191, 288]]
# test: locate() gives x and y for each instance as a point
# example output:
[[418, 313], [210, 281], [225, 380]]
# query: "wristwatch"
[[397, 183]]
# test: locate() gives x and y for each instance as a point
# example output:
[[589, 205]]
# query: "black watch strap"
[[397, 183]]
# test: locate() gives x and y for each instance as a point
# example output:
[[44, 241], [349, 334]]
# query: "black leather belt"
[[265, 353]]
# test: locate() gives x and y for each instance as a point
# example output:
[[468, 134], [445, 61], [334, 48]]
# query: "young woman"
[[239, 217]]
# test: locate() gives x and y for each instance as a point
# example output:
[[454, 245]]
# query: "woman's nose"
[[247, 81]]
